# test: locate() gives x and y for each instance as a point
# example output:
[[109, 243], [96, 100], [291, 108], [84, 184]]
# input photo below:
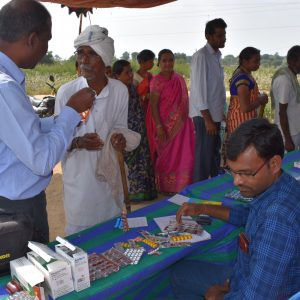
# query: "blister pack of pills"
[[188, 226], [134, 254], [235, 194], [117, 257], [175, 244], [150, 243], [100, 266], [181, 237], [23, 295]]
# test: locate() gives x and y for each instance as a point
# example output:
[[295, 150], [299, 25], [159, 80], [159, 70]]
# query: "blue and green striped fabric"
[[150, 278]]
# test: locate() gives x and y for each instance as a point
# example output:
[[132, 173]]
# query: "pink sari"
[[174, 158]]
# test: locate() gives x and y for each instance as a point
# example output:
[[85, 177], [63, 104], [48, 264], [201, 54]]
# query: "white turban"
[[97, 38]]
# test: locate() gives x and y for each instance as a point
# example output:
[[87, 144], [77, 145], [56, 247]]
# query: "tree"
[[230, 60], [272, 60], [125, 55], [277, 60], [180, 57], [134, 55], [48, 59], [57, 57]]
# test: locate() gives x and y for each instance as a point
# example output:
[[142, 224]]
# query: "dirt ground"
[[55, 208]]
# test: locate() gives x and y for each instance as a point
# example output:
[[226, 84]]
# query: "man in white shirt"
[[207, 100], [87, 200], [285, 95]]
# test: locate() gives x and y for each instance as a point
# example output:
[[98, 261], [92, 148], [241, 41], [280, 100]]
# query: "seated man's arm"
[[236, 215], [272, 253], [193, 209]]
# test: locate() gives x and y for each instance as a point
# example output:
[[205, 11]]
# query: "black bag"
[[16, 230]]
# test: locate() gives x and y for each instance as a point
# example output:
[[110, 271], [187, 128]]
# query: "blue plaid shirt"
[[271, 268]]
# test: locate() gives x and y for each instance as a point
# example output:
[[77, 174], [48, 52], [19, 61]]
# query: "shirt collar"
[[9, 67], [105, 91], [212, 51], [263, 198]]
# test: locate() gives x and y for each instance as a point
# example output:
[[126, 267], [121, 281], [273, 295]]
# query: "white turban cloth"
[[97, 38]]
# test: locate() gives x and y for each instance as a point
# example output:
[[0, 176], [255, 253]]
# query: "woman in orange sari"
[[169, 128], [245, 97], [142, 77]]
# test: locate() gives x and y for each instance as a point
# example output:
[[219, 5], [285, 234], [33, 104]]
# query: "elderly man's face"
[[90, 63], [253, 174]]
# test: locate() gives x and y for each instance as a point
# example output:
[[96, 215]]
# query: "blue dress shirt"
[[271, 268], [30, 147]]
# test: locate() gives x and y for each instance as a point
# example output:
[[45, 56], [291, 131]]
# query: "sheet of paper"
[[137, 222], [295, 173], [163, 222], [179, 199]]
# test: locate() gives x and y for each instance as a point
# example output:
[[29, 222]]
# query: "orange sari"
[[142, 85], [234, 115]]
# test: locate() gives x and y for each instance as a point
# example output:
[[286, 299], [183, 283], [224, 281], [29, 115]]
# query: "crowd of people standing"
[[183, 129]]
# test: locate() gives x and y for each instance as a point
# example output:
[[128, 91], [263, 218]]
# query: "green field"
[[65, 71]]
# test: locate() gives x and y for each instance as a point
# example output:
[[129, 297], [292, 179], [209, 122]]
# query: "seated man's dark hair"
[[213, 24], [261, 134], [145, 55], [19, 18]]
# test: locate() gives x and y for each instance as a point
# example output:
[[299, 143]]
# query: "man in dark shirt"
[[268, 262]]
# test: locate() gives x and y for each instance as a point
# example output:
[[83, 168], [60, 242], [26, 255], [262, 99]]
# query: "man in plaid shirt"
[[268, 262]]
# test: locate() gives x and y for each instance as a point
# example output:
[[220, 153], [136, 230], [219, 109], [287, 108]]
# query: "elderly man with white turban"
[[87, 200]]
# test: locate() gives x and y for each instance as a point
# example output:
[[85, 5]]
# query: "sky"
[[269, 25]]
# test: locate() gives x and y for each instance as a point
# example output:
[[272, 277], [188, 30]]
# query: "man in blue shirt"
[[29, 147], [268, 262]]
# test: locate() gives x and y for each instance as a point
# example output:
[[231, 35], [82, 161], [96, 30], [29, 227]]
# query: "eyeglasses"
[[80, 53], [247, 174]]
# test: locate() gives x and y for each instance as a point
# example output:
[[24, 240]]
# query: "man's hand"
[[289, 144], [90, 141], [211, 127], [189, 209], [263, 98], [82, 100], [217, 292], [118, 141]]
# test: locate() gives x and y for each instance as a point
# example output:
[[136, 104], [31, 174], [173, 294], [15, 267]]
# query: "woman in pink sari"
[[169, 128]]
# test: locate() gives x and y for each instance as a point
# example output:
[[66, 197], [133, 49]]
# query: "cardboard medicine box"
[[57, 272], [78, 260], [28, 276]]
